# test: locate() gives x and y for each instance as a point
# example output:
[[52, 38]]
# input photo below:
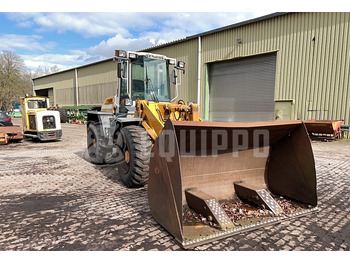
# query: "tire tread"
[[141, 146]]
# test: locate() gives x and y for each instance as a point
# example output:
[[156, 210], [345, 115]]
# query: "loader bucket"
[[209, 180], [9, 133], [324, 129]]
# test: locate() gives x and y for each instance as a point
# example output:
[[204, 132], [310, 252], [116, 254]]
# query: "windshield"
[[35, 104], [150, 80]]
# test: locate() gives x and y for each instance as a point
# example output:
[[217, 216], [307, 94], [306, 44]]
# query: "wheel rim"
[[94, 145], [125, 166], [127, 157]]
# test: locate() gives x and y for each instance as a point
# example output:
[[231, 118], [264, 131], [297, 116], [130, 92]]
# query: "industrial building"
[[85, 85], [277, 67]]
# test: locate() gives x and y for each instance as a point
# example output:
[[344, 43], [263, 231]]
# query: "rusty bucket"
[[324, 129], [9, 133], [208, 179]]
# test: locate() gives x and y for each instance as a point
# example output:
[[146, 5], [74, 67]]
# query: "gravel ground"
[[52, 198]]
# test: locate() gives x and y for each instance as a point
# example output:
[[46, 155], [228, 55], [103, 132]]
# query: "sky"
[[72, 39], [75, 33]]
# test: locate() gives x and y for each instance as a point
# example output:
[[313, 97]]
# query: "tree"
[[14, 80], [40, 71]]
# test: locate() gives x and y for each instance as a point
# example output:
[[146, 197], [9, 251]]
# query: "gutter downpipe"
[[76, 87], [199, 71]]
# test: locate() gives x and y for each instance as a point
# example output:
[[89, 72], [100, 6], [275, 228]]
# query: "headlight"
[[121, 53], [127, 102], [181, 64]]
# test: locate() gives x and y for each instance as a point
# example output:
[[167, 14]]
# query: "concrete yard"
[[52, 198]]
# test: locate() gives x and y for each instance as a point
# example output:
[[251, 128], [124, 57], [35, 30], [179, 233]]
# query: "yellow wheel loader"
[[206, 180], [39, 122]]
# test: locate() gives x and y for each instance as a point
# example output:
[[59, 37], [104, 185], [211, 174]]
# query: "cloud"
[[32, 62], [12, 42], [125, 24], [74, 58], [129, 31], [84, 24], [165, 27], [106, 48]]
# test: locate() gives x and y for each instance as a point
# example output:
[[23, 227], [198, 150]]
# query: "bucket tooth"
[[207, 206], [257, 196]]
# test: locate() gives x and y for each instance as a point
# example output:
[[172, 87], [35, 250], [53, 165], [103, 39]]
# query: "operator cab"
[[149, 79], [144, 76]]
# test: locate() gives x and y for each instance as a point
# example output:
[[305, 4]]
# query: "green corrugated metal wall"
[[313, 57], [96, 82], [63, 85]]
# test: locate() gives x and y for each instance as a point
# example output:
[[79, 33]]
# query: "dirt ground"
[[53, 198]]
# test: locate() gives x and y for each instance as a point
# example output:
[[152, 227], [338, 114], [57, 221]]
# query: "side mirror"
[[174, 76], [121, 70]]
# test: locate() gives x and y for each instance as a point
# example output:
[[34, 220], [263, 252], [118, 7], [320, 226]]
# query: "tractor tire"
[[94, 143], [136, 145], [63, 115]]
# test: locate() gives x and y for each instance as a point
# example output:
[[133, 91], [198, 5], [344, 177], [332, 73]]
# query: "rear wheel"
[[136, 146], [94, 145], [63, 115]]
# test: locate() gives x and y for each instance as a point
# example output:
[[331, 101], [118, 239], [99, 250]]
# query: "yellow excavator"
[[205, 180]]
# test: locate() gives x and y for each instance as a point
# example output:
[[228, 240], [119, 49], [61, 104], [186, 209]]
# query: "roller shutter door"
[[242, 90]]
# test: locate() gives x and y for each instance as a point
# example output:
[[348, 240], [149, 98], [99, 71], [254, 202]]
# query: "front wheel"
[[94, 144], [136, 146]]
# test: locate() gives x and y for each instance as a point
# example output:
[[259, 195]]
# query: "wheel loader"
[[205, 180], [39, 122]]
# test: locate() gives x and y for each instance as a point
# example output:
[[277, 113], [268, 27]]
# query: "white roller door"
[[242, 90]]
